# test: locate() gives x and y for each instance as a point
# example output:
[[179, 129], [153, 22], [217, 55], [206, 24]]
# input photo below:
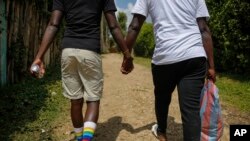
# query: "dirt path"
[[127, 112], [127, 106]]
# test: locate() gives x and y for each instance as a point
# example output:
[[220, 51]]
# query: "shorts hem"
[[72, 98], [92, 99]]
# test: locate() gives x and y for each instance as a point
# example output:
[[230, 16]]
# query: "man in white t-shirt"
[[182, 57]]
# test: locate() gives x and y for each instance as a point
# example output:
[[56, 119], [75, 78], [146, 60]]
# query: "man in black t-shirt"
[[82, 76]]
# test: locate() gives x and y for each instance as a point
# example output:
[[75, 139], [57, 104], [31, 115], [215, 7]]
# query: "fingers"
[[211, 78], [125, 70], [211, 75], [37, 69], [127, 66]]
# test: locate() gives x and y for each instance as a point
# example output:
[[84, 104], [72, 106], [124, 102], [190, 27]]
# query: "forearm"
[[48, 38], [208, 46], [50, 32], [132, 36], [119, 39], [134, 30], [116, 32], [207, 40]]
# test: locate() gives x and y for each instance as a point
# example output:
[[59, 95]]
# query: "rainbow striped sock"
[[88, 130], [78, 133]]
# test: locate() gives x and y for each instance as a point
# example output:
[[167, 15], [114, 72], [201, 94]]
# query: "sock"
[[78, 133], [88, 130]]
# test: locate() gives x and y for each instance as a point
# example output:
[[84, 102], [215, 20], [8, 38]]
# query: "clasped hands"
[[127, 63]]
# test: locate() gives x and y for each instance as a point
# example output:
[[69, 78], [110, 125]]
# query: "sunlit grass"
[[235, 90], [143, 61]]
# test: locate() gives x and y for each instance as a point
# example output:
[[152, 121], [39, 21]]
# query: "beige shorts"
[[82, 75]]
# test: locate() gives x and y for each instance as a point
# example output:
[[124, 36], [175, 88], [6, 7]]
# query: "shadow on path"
[[109, 130]]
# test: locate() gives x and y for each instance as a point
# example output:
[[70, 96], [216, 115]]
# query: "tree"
[[229, 24], [145, 43]]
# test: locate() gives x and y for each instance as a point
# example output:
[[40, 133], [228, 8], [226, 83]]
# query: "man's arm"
[[48, 37], [208, 46], [115, 30], [134, 30], [116, 33], [50, 32]]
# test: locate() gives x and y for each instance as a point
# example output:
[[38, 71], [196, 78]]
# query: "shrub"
[[144, 46]]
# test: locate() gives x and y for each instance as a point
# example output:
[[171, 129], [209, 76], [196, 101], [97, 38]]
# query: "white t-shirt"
[[176, 31]]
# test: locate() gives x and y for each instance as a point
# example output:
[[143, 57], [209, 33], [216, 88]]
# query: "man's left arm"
[[208, 46], [119, 39]]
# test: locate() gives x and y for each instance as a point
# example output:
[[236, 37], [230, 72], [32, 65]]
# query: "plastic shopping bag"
[[210, 112]]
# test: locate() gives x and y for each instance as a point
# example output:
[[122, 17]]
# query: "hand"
[[40, 63], [211, 74], [127, 65]]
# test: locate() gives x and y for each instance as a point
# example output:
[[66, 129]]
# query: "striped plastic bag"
[[210, 112]]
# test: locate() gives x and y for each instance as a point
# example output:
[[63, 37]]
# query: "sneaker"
[[154, 130], [158, 135]]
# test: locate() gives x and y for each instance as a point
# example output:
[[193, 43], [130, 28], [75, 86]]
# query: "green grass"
[[30, 110], [143, 61], [234, 90]]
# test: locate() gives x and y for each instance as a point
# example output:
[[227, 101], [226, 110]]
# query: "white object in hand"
[[35, 68]]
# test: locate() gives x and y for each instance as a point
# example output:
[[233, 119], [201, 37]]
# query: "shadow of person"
[[109, 130], [174, 131]]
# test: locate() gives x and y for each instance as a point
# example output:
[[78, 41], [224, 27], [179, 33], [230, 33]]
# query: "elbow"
[[54, 24], [113, 27]]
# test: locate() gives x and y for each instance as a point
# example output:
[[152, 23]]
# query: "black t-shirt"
[[83, 22]]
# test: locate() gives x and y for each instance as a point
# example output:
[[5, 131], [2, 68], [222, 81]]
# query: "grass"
[[30, 110], [234, 90], [143, 61]]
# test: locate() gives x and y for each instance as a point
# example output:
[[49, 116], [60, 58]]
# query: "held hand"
[[41, 69], [211, 75], [127, 65]]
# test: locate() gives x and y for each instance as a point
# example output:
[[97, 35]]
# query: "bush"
[[145, 44], [229, 24]]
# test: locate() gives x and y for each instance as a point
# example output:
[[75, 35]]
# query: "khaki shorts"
[[82, 75]]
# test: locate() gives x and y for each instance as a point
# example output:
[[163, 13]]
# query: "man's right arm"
[[133, 31], [50, 32], [48, 38], [119, 39]]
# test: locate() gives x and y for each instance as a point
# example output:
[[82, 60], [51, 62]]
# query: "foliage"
[[31, 106], [144, 46], [229, 24]]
